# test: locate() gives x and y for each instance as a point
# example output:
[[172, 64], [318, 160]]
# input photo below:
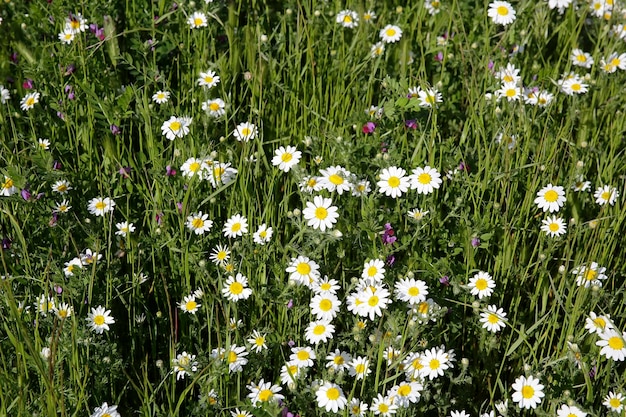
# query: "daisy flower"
[[290, 372], [338, 361], [45, 304], [194, 167], [614, 401], [369, 16], [335, 178], [216, 107], [383, 406], [550, 197], [5, 95], [373, 269], [257, 341], [236, 358], [99, 319], [124, 229], [417, 214], [302, 356], [183, 365], [29, 101], [236, 288], [501, 12], [528, 392], [320, 214], [406, 393], [433, 6], [574, 85], [220, 255], [245, 131], [325, 306], [303, 270], [208, 79], [393, 182], [67, 36], [375, 300], [359, 367], [62, 207], [434, 362], [561, 5], [43, 144], [197, 20], [361, 188], [176, 127], [589, 275], [8, 188], [390, 34], [76, 23], [331, 397], [606, 194], [509, 74], [581, 185], [319, 331], [264, 392], [598, 324], [199, 223], [61, 187], [263, 234], [493, 319], [482, 284], [511, 91], [236, 226], [357, 408], [377, 49], [613, 344], [220, 174], [570, 411], [189, 304], [411, 291], [347, 18], [581, 59], [553, 226], [425, 180], [286, 158], [100, 206], [106, 410], [310, 184], [161, 97], [429, 98], [544, 98]]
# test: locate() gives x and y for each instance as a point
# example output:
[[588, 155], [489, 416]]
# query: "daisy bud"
[[562, 269], [317, 13], [159, 363], [464, 362], [264, 38]]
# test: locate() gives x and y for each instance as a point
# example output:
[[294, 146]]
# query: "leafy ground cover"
[[312, 208]]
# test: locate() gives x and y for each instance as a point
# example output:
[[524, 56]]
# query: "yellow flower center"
[[390, 32], [100, 205], [590, 274], [8, 183], [615, 402], [336, 179], [197, 223], [424, 178], [175, 126], [190, 305], [423, 308], [303, 268], [286, 157], [303, 355], [373, 301], [74, 24], [492, 318], [414, 291], [325, 304], [434, 364], [372, 271], [338, 360], [265, 395], [581, 58], [606, 195], [404, 390], [528, 392], [332, 393], [321, 213], [347, 18], [599, 322], [511, 92], [214, 106], [551, 196], [221, 255], [98, 320], [503, 11], [245, 131], [232, 357], [554, 227], [325, 286], [616, 343], [236, 288], [383, 408], [319, 329], [30, 101], [481, 284], [194, 167], [197, 21], [507, 78], [393, 182], [360, 368], [236, 227], [576, 87]]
